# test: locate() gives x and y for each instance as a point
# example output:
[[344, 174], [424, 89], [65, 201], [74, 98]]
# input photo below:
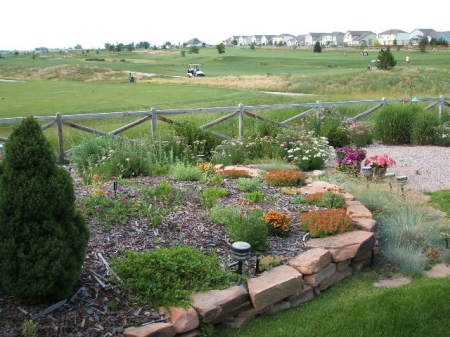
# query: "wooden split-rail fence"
[[155, 115]]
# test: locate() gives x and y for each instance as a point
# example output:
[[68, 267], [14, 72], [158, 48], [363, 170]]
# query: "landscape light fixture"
[[241, 251], [402, 181], [201, 158], [115, 186], [390, 176]]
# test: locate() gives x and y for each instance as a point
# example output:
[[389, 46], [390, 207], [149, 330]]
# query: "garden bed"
[[100, 307]]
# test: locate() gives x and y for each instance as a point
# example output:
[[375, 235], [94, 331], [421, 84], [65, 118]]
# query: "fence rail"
[[155, 115]]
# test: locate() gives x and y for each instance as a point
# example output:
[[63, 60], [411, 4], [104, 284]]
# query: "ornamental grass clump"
[[326, 199], [278, 224], [43, 237], [168, 276], [285, 178], [327, 222]]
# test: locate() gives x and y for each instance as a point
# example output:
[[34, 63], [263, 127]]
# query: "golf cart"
[[193, 70]]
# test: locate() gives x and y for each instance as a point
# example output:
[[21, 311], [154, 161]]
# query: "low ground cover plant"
[[255, 196], [186, 172], [234, 174], [248, 184], [168, 276], [279, 224], [250, 227], [285, 178], [243, 225], [211, 195], [326, 222], [326, 199]]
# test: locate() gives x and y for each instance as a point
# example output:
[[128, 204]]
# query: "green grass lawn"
[[354, 308], [441, 200], [338, 74]]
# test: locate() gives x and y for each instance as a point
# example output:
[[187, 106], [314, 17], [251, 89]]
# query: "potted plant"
[[379, 164], [349, 159]]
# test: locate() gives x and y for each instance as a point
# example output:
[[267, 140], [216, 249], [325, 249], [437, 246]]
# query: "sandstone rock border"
[[327, 261]]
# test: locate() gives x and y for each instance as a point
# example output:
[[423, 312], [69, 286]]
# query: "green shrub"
[[42, 237], [248, 184], [185, 172], [393, 123], [424, 128], [168, 276], [211, 195], [247, 226], [333, 129], [327, 199], [200, 141], [224, 215], [251, 228], [215, 180], [255, 196], [164, 192], [442, 136]]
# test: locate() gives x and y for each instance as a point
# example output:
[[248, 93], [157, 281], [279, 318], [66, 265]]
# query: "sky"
[[26, 24]]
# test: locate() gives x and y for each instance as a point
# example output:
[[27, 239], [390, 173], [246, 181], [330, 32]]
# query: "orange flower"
[[285, 178], [326, 222]]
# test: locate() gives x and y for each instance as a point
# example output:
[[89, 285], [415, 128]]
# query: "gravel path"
[[427, 167]]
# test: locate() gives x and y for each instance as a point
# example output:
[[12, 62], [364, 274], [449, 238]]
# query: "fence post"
[[59, 123], [441, 107], [154, 122], [241, 121], [384, 101]]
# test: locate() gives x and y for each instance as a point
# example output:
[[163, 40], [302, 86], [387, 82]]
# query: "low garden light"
[[402, 181], [201, 158], [390, 177], [241, 251]]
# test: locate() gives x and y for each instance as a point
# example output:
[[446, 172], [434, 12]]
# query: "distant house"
[[388, 37], [230, 40], [357, 38], [417, 34], [444, 35], [337, 38], [312, 38], [300, 40], [194, 43]]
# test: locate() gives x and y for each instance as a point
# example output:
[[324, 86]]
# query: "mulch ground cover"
[[99, 306]]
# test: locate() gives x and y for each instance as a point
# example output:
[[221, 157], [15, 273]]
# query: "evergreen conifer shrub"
[[317, 47], [42, 237], [385, 59]]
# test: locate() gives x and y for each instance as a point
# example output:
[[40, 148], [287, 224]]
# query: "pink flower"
[[82, 206], [98, 210]]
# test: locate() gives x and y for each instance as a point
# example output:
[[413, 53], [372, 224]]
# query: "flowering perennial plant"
[[304, 149], [326, 222], [278, 223], [285, 178], [379, 161], [349, 158], [234, 174]]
